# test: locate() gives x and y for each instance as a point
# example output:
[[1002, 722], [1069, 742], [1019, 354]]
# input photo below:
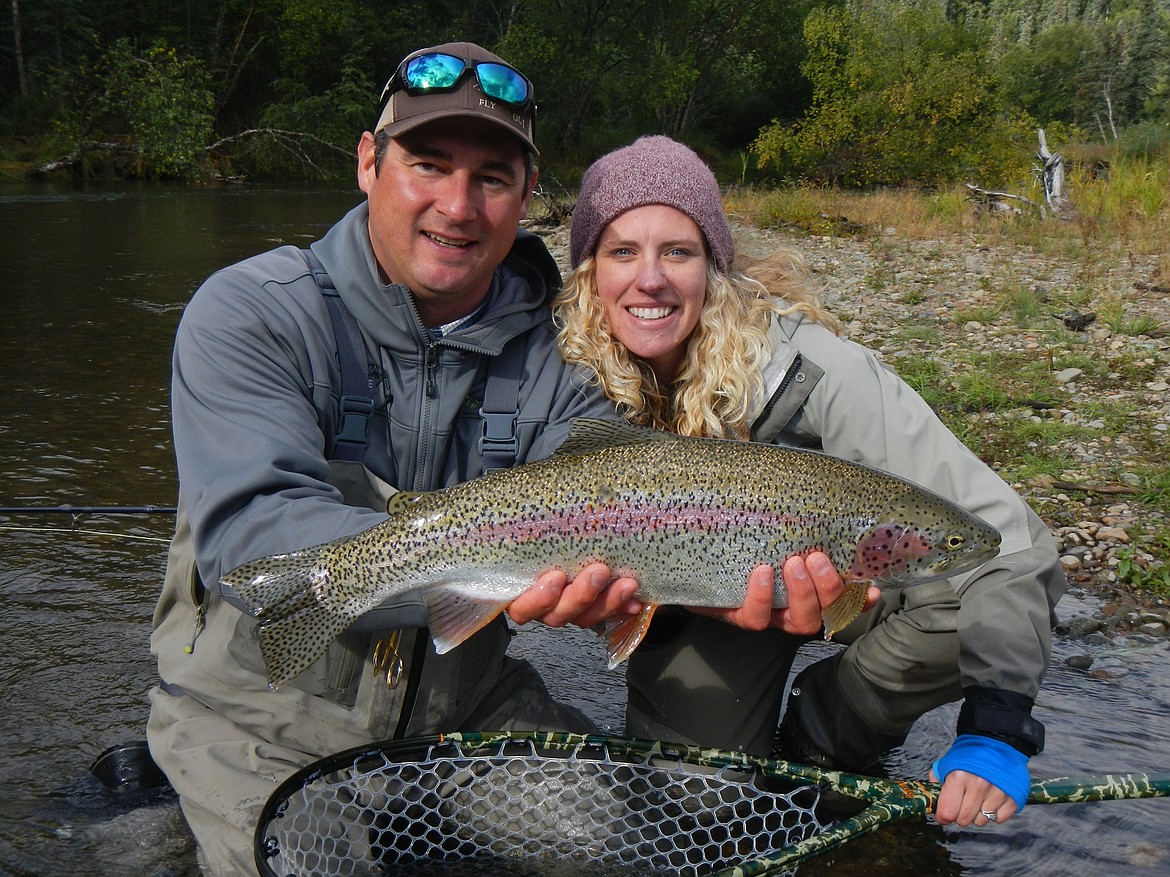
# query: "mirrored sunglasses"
[[436, 72]]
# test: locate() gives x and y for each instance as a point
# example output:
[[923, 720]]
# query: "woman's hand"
[[812, 583]]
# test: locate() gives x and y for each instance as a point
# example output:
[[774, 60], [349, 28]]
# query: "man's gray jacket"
[[256, 384]]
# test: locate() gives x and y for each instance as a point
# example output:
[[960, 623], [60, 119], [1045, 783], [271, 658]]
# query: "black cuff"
[[1002, 715]]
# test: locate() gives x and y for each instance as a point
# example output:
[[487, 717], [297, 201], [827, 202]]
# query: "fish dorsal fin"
[[590, 434], [401, 500]]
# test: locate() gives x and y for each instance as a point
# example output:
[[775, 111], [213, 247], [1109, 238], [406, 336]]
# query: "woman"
[[685, 334]]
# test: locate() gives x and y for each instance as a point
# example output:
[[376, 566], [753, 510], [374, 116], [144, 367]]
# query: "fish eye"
[[953, 541]]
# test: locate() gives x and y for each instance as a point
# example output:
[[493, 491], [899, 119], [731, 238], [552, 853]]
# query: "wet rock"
[[1079, 662], [1079, 626], [1147, 855], [1143, 639]]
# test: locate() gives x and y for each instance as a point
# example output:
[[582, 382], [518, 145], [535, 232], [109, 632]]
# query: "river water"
[[95, 281]]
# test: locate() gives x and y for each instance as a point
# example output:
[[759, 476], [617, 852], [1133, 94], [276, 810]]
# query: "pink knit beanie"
[[652, 170]]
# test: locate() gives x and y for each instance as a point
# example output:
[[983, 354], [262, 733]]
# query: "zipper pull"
[[432, 361], [200, 621]]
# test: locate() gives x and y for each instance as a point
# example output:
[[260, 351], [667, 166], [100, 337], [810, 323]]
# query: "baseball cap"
[[455, 80]]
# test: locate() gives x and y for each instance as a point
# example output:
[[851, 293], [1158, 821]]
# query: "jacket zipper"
[[793, 369]]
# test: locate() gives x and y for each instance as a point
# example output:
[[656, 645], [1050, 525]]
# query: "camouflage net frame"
[[574, 804]]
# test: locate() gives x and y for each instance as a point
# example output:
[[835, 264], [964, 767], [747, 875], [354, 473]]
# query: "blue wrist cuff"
[[1001, 765]]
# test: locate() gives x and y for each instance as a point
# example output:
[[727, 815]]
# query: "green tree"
[[1096, 64], [900, 93], [1140, 44], [700, 70], [578, 53], [700, 53], [156, 102], [1047, 77]]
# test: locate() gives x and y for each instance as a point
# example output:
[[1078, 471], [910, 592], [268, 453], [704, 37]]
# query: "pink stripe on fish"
[[626, 520]]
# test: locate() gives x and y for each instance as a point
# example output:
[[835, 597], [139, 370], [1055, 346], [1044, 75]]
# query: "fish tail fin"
[[623, 635], [454, 615], [840, 613], [296, 625]]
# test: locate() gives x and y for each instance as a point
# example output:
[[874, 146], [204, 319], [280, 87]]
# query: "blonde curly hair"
[[718, 388]]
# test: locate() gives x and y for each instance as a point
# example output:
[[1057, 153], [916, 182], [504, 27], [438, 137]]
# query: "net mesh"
[[589, 810]]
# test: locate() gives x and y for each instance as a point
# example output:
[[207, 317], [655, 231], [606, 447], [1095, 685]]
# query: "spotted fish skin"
[[688, 518]]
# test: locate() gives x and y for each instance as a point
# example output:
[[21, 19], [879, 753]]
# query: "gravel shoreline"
[[880, 285]]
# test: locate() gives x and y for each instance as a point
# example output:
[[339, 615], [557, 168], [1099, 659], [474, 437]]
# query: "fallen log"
[[1107, 489], [84, 148], [987, 201]]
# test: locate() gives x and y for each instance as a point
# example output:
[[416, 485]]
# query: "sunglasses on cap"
[[438, 72]]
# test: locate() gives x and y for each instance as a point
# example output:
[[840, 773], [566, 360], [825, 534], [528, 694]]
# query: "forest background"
[[860, 93]]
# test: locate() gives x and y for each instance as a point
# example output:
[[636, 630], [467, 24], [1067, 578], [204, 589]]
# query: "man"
[[439, 292], [432, 269]]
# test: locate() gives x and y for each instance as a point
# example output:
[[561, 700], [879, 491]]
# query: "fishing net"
[[540, 804]]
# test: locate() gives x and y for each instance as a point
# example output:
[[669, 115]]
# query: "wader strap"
[[501, 406], [357, 403], [422, 641]]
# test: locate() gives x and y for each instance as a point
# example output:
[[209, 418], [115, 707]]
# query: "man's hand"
[[812, 583], [588, 599], [594, 596]]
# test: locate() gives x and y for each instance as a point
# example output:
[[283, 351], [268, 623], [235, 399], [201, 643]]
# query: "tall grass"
[[1126, 205]]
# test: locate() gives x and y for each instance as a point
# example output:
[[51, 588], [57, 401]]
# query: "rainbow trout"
[[688, 518]]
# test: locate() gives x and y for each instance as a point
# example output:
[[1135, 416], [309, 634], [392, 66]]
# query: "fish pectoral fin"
[[840, 613], [455, 616], [624, 634]]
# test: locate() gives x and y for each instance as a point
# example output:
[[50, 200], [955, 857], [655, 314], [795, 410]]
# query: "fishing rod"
[[88, 510], [76, 512]]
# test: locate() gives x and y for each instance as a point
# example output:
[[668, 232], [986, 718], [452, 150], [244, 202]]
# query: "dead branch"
[[1051, 174], [280, 135], [295, 142], [987, 201], [1105, 489], [73, 158], [1150, 287]]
